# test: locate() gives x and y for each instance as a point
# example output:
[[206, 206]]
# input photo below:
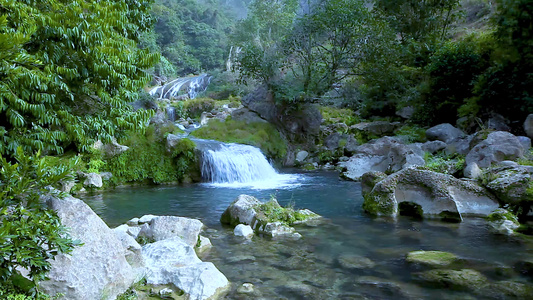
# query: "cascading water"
[[191, 86], [239, 165], [171, 113]]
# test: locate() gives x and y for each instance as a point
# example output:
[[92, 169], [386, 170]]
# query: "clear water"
[[309, 268]]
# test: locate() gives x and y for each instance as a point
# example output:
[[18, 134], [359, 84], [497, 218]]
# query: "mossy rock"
[[431, 258], [506, 290], [465, 279]]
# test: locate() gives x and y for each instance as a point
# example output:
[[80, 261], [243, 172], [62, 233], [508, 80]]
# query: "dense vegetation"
[[397, 54], [69, 71]]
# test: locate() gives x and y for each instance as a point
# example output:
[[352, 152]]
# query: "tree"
[[68, 71], [260, 36], [327, 44], [419, 20]]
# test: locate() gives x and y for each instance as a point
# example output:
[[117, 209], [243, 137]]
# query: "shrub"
[[261, 135], [332, 115], [195, 107], [148, 159], [411, 134], [447, 164], [31, 235]]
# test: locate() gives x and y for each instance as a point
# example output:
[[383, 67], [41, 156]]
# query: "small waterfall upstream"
[[189, 86], [236, 165]]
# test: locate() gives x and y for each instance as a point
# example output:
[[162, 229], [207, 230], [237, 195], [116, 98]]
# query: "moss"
[[411, 134], [373, 206], [502, 215], [332, 115], [271, 211], [148, 159], [262, 135], [431, 258]]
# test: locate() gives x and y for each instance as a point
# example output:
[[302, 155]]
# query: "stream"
[[317, 266]]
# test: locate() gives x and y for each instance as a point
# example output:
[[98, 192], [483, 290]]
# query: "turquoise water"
[[312, 268]]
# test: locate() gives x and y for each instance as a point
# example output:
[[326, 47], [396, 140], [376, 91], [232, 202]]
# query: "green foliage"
[[447, 164], [332, 115], [271, 211], [30, 234], [9, 292], [148, 159], [452, 72], [190, 35], [68, 70], [411, 134], [261, 135], [419, 20], [195, 107]]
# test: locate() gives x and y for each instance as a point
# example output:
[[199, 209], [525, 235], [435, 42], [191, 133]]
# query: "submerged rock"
[[435, 194], [465, 279], [96, 270], [243, 230], [503, 221], [431, 258], [352, 262]]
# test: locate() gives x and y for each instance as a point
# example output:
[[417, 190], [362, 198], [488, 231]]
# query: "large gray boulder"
[[497, 147], [241, 211], [510, 183], [114, 148], [173, 261], [437, 195], [246, 115], [164, 227], [96, 270], [460, 145], [528, 126], [383, 154], [172, 141], [444, 132]]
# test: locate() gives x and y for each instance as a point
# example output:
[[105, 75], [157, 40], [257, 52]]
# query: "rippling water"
[[311, 268]]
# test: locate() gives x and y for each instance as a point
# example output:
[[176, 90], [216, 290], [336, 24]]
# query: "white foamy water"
[[239, 166]]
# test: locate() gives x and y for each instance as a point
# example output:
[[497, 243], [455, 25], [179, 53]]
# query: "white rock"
[[93, 180], [301, 156], [172, 261], [146, 219], [133, 222], [134, 231], [96, 270], [165, 227], [472, 171], [205, 244], [243, 230]]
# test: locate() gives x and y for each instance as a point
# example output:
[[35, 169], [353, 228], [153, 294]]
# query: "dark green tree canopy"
[[68, 70]]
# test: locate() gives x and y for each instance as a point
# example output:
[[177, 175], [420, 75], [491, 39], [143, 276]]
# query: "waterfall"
[[171, 113], [237, 165], [189, 86]]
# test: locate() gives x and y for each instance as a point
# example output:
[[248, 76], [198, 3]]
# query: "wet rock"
[[96, 270], [444, 132], [172, 261], [510, 183], [164, 227], [436, 194], [380, 288], [172, 141], [465, 279], [241, 259], [246, 288], [498, 146], [243, 230], [240, 211], [204, 244], [525, 267], [503, 222], [506, 290], [278, 229], [431, 258], [369, 180], [352, 262], [299, 290]]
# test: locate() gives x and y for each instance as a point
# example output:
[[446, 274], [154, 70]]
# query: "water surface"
[[311, 268]]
